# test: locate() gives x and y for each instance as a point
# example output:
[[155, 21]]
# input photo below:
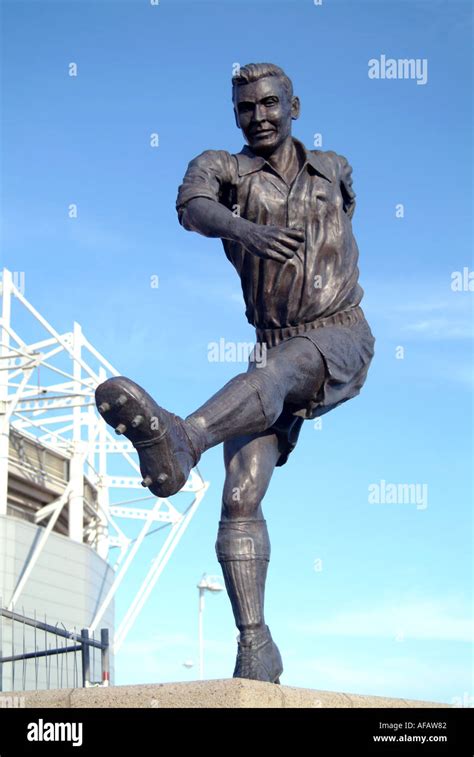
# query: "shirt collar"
[[248, 162]]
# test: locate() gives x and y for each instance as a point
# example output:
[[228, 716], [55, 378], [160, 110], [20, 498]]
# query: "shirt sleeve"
[[206, 176], [347, 191]]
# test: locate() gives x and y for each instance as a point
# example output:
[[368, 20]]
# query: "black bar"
[[45, 653], [348, 731], [46, 627]]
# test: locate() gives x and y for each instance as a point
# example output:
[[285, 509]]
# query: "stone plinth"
[[233, 692]]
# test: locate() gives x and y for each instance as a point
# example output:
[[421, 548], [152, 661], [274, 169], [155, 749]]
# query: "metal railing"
[[83, 647]]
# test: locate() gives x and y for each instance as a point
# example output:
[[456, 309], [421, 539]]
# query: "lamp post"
[[207, 583]]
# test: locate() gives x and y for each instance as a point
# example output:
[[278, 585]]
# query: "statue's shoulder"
[[335, 164], [212, 157], [338, 169], [212, 164]]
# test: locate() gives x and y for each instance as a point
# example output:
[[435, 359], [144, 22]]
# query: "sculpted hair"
[[255, 71]]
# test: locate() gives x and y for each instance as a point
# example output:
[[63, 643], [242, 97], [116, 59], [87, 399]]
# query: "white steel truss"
[[47, 395]]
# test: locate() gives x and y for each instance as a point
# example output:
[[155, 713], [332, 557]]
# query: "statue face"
[[264, 112]]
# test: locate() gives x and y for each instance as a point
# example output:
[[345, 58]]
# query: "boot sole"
[[131, 411]]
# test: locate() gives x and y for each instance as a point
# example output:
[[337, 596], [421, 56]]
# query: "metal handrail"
[[84, 645]]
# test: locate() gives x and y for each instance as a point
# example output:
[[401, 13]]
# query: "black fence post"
[[86, 663], [104, 639]]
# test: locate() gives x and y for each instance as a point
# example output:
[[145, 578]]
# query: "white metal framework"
[[47, 398]]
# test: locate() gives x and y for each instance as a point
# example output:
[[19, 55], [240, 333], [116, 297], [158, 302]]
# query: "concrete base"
[[223, 693]]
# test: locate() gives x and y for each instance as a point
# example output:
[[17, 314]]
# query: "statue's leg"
[[251, 402], [243, 550], [168, 446]]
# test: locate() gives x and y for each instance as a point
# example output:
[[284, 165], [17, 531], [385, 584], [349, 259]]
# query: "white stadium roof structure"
[[63, 468]]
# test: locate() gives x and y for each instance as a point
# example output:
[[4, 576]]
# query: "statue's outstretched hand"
[[272, 242]]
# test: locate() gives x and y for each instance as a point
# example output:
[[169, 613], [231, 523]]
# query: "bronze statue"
[[284, 216]]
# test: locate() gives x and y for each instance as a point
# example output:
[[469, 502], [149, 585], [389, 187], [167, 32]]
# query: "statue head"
[[264, 106]]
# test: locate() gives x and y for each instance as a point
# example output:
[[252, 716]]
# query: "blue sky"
[[390, 611]]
